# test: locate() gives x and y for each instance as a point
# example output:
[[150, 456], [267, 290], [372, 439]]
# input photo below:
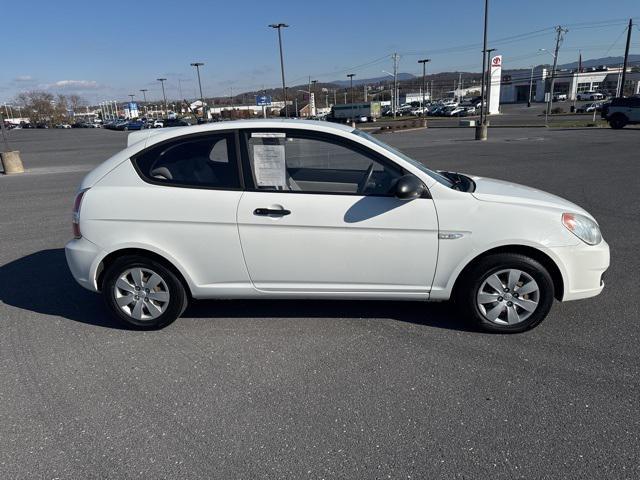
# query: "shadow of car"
[[59, 295]]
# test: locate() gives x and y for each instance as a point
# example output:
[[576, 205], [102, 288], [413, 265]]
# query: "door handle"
[[271, 211]]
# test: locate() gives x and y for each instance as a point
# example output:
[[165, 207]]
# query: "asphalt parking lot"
[[284, 389]]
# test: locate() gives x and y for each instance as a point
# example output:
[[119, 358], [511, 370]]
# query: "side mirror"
[[409, 187]]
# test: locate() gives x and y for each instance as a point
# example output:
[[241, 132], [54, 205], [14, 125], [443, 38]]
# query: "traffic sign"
[[263, 100]]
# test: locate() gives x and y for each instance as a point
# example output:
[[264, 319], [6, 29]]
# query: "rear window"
[[205, 161]]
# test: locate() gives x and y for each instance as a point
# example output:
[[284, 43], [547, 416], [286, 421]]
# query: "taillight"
[[76, 214]]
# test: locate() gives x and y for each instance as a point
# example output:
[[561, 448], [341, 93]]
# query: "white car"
[[589, 96], [302, 209], [158, 124]]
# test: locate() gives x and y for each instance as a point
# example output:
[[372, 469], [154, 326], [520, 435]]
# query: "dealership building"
[[515, 84]]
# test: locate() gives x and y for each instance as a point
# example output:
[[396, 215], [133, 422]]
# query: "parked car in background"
[[455, 111], [176, 122], [622, 111], [590, 95], [130, 125], [157, 124], [559, 97], [62, 125], [590, 107], [322, 211]]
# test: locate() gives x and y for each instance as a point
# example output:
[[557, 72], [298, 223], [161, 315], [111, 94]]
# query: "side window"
[[306, 162], [199, 161]]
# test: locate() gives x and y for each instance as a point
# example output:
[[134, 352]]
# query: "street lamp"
[[198, 65], [481, 130], [144, 96], [530, 87], [279, 27], [424, 75], [351, 75], [164, 96], [313, 90]]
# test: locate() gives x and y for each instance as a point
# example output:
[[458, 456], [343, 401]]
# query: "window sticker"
[[268, 135], [269, 165]]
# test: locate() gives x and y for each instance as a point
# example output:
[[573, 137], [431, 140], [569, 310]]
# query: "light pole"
[[481, 130], [424, 76], [393, 92], [144, 96], [351, 75], [530, 87], [279, 27], [164, 96], [198, 65], [313, 90]]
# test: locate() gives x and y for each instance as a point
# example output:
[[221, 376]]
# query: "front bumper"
[[583, 269], [81, 257]]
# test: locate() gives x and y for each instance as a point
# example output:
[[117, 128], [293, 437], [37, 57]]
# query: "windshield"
[[436, 176]]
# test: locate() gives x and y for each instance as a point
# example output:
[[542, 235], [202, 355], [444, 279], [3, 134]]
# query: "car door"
[[318, 217]]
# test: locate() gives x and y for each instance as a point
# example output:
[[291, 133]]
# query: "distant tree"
[[43, 107]]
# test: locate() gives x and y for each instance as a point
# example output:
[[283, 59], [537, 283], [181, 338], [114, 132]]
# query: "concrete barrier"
[[467, 123], [11, 162]]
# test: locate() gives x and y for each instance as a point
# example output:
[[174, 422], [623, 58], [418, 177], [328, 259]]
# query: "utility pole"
[[279, 27], [313, 91], [560, 31], [394, 101], [626, 59], [481, 130], [164, 96]]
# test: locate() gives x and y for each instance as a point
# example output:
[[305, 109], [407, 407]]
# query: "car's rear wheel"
[[506, 293], [143, 293], [618, 121]]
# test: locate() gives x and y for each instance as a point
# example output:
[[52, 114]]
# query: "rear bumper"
[[584, 267], [81, 257]]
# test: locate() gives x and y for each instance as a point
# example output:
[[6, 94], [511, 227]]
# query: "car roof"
[[159, 135]]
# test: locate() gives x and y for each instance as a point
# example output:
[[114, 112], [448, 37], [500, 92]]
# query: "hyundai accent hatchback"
[[301, 209]]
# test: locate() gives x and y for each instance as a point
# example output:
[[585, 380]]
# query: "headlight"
[[582, 227]]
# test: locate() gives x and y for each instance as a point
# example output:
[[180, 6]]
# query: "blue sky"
[[108, 49]]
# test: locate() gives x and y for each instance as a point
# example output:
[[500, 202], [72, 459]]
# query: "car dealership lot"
[[279, 389]]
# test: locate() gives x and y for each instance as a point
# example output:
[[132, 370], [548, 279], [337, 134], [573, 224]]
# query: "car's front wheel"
[[143, 293], [506, 293]]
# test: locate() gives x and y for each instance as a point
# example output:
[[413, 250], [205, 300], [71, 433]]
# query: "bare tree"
[[43, 107]]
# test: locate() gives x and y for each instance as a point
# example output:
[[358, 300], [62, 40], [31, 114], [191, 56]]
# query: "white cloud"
[[23, 78], [77, 84]]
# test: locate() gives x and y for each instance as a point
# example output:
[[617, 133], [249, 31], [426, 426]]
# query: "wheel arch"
[[531, 252], [114, 255]]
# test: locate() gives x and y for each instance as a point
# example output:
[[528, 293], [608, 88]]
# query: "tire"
[[475, 287], [617, 121], [123, 281]]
